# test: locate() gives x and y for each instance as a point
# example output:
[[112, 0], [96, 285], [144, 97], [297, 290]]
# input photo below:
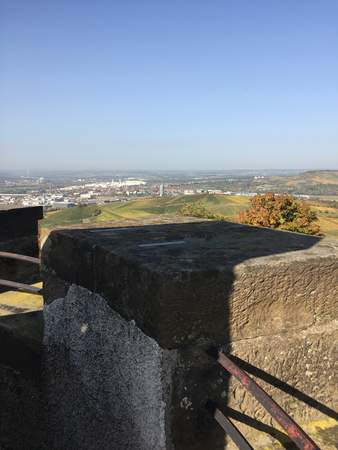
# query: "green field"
[[227, 206]]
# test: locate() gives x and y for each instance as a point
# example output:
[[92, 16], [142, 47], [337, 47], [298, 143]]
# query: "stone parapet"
[[131, 312]]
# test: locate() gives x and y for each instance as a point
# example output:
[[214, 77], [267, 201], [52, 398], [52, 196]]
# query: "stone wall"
[[22, 411], [131, 313], [19, 234]]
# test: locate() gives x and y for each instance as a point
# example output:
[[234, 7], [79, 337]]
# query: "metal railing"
[[293, 430], [22, 287], [228, 427]]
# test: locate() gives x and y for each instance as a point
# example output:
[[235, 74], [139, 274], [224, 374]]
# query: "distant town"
[[66, 190]]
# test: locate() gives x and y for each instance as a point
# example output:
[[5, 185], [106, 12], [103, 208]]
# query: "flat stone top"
[[176, 280], [199, 246]]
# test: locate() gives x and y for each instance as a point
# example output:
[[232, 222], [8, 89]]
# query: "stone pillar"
[[130, 313], [19, 234]]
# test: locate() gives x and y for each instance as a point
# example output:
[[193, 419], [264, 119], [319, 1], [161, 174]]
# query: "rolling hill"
[[224, 205], [228, 206], [313, 182]]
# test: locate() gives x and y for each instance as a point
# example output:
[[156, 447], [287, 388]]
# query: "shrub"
[[197, 209], [280, 211]]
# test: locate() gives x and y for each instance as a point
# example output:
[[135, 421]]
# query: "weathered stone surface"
[[189, 281], [110, 386], [268, 297], [21, 341], [105, 380], [21, 411], [298, 369], [276, 294]]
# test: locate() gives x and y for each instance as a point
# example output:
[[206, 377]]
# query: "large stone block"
[[188, 281], [180, 288], [110, 386]]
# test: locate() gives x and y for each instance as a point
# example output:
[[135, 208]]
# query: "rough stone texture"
[[207, 282], [19, 234], [105, 380], [21, 411], [287, 292], [298, 369], [269, 297], [110, 386]]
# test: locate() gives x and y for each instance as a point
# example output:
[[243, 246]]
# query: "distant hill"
[[322, 176], [314, 182]]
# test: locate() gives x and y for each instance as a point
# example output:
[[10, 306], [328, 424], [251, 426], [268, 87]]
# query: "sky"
[[168, 84]]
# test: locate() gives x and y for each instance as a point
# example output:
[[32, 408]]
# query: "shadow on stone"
[[281, 437], [22, 410], [186, 287], [285, 387]]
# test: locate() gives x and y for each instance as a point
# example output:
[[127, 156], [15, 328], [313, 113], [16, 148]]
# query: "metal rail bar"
[[295, 433], [18, 257], [228, 427], [21, 287]]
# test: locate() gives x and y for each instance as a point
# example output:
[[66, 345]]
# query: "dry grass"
[[13, 302]]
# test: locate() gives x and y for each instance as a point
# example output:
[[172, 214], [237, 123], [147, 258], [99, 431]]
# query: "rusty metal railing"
[[18, 257], [22, 287], [293, 430], [228, 427]]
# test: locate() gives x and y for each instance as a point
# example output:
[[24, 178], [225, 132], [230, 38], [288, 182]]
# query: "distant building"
[[128, 182], [85, 196], [161, 190], [215, 191], [63, 205]]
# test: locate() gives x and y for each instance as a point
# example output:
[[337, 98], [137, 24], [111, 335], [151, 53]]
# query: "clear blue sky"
[[168, 84]]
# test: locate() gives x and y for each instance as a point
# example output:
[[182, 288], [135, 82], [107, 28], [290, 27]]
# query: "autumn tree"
[[280, 211]]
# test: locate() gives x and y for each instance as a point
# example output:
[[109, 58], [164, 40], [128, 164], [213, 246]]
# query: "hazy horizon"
[[168, 85], [33, 172], [76, 168]]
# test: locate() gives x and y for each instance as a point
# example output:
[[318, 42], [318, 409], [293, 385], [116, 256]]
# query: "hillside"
[[227, 206], [314, 182]]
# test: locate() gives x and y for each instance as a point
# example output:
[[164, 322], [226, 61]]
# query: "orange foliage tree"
[[280, 211]]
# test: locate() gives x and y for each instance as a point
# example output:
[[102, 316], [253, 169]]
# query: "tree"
[[280, 211], [197, 209]]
